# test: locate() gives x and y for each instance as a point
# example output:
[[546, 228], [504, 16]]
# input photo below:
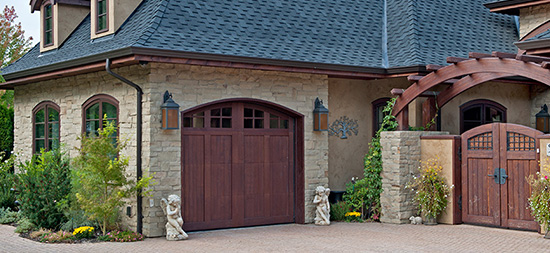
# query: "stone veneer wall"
[[400, 159], [190, 86], [540, 95], [531, 17], [195, 85], [70, 93]]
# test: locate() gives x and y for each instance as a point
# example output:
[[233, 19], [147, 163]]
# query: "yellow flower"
[[83, 229], [356, 214]]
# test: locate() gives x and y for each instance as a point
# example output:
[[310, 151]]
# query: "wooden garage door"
[[237, 166], [497, 158]]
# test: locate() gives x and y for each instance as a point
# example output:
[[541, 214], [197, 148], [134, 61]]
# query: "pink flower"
[[546, 177]]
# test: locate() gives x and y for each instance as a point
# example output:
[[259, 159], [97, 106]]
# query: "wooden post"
[[429, 111], [403, 119]]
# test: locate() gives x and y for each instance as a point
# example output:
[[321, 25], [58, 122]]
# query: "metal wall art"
[[343, 127]]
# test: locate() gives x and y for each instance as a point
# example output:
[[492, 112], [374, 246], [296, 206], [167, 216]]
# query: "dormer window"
[[102, 16], [48, 25]]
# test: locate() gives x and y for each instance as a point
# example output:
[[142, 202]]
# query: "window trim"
[[483, 103], [97, 16], [99, 98], [375, 104], [44, 105], [48, 4]]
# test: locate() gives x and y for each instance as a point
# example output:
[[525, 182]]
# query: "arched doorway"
[[240, 165]]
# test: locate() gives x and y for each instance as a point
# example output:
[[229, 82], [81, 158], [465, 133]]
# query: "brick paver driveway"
[[339, 237]]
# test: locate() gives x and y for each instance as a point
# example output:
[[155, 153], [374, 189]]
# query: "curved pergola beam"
[[465, 84], [483, 65]]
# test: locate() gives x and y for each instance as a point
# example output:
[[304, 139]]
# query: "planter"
[[430, 221], [547, 235]]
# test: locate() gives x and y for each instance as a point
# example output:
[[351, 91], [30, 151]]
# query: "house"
[[246, 75]]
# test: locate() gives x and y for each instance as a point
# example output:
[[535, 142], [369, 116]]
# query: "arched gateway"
[[240, 165]]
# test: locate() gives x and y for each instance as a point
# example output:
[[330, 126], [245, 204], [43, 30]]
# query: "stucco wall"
[[531, 17], [70, 93], [442, 151], [196, 85], [353, 98], [515, 97]]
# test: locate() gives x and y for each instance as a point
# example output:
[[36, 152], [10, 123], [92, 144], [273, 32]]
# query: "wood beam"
[[452, 59], [433, 67], [477, 55], [521, 5], [503, 55], [466, 83], [399, 92], [414, 78], [545, 65], [532, 58]]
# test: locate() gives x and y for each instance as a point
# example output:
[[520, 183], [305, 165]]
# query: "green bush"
[[24, 225], [44, 181], [338, 211], [76, 219], [7, 184], [99, 178], [7, 215], [121, 236], [6, 129]]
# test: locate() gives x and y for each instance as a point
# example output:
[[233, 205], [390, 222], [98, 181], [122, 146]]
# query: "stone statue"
[[322, 213], [416, 220], [171, 208]]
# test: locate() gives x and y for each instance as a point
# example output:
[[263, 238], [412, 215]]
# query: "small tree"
[[13, 43], [100, 182]]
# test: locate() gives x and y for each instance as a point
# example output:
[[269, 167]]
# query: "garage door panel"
[[220, 194], [194, 164], [281, 188]]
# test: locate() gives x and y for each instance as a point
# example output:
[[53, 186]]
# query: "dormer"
[[58, 19], [108, 15], [534, 23]]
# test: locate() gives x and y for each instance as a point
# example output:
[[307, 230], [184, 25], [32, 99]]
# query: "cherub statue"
[[322, 213], [171, 209]]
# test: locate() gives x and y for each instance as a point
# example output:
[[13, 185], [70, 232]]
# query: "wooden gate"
[[496, 159], [238, 166]]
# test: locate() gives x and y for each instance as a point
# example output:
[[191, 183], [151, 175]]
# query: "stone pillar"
[[400, 159]]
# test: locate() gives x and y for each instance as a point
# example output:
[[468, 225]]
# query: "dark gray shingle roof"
[[342, 32]]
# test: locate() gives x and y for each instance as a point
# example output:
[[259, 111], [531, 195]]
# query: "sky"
[[30, 22]]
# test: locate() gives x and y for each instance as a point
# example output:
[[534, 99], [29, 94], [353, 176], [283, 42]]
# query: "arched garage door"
[[238, 165]]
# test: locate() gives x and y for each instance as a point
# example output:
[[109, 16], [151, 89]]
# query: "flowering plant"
[[539, 202], [122, 236], [430, 189], [84, 232], [353, 216]]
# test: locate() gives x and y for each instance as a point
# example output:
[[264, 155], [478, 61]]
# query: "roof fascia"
[[512, 7], [533, 44], [35, 4]]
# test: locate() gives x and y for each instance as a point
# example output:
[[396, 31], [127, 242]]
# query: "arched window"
[[45, 126], [479, 112], [95, 109], [378, 113]]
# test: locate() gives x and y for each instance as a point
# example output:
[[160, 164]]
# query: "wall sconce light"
[[170, 113], [543, 119], [320, 116]]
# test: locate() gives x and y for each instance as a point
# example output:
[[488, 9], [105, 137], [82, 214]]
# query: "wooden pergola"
[[463, 74]]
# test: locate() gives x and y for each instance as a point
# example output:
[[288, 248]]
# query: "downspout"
[[138, 139]]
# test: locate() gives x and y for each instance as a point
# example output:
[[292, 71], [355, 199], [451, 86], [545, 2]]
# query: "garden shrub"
[[7, 215], [7, 184], [99, 178], [6, 130], [338, 211], [121, 236], [44, 181], [59, 236], [76, 219], [24, 225], [39, 233]]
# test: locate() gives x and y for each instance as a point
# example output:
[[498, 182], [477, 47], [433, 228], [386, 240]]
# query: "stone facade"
[[531, 17], [191, 86], [400, 158]]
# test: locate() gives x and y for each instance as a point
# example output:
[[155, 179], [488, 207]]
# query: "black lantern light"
[[543, 119], [320, 116], [170, 112]]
